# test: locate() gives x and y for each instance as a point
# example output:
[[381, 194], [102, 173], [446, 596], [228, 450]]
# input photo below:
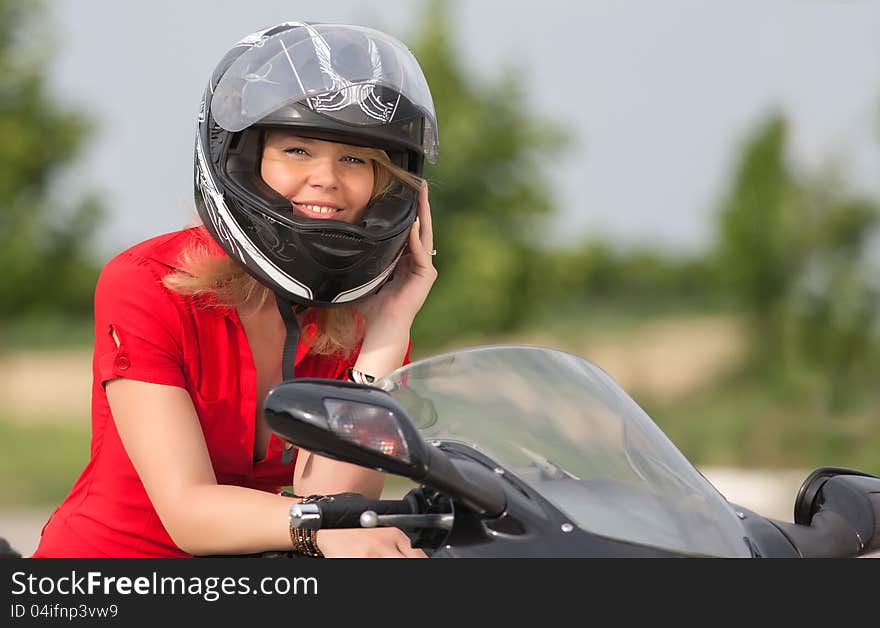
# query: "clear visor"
[[333, 69]]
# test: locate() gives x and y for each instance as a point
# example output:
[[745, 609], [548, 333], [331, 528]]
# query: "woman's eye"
[[352, 160], [296, 150]]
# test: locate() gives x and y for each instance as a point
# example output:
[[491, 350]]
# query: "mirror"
[[364, 425], [350, 422]]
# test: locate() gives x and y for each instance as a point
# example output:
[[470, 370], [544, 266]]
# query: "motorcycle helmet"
[[333, 82]]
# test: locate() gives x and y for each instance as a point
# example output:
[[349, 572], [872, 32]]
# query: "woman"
[[313, 258]]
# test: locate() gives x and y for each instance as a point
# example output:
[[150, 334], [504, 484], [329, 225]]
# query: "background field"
[[670, 362]]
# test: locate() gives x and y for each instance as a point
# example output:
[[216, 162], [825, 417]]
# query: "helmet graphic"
[[332, 82]]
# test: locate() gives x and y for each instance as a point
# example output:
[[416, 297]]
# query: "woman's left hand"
[[398, 301]]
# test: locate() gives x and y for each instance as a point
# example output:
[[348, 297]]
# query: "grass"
[[743, 423], [40, 462], [740, 425], [47, 332], [736, 422]]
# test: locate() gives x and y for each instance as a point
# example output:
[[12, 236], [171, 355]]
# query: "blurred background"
[[686, 194]]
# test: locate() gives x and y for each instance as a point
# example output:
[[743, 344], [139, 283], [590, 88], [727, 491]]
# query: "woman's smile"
[[320, 211]]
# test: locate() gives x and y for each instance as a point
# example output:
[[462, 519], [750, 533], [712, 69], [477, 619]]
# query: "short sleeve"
[[132, 302]]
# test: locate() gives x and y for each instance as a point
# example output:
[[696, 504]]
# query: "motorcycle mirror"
[[350, 422], [364, 425]]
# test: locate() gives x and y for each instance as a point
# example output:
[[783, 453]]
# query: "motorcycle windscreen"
[[564, 427]]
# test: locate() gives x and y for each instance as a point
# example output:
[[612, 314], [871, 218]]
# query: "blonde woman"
[[312, 260]]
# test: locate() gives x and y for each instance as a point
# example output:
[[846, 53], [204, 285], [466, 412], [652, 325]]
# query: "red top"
[[167, 338]]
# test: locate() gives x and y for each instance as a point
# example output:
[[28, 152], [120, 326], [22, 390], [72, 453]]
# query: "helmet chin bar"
[[370, 287], [327, 288]]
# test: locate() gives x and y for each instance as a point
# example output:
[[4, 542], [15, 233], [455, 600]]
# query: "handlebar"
[[423, 514], [854, 499], [837, 513], [345, 511]]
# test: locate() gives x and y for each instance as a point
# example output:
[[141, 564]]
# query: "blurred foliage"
[[40, 461], [794, 252], [597, 275], [491, 199], [43, 241], [743, 422], [489, 193]]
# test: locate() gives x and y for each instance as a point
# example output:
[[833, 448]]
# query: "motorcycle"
[[524, 451]]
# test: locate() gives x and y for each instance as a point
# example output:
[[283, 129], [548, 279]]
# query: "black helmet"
[[327, 81]]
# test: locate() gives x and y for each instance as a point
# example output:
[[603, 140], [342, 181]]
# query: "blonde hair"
[[220, 281]]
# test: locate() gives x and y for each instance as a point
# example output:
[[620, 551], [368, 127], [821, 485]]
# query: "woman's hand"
[[366, 543], [399, 300]]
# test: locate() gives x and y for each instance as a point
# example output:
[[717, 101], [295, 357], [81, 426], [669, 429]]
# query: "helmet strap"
[[288, 355], [291, 339]]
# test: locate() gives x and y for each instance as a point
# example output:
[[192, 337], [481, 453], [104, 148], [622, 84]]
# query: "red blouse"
[[167, 338]]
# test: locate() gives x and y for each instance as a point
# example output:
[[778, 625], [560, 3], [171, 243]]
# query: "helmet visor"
[[349, 73]]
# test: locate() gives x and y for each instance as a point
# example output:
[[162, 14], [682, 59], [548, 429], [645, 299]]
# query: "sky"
[[657, 97]]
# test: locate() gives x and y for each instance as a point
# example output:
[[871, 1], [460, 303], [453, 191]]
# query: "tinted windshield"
[[565, 428]]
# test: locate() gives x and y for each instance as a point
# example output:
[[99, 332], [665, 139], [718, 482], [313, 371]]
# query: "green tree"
[[760, 244], [793, 249], [43, 242], [489, 189]]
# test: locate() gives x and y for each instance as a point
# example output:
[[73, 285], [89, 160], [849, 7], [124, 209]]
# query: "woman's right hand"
[[366, 543]]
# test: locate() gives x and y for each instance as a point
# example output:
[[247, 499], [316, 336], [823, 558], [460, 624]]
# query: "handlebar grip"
[[345, 511], [861, 496], [842, 505], [874, 544]]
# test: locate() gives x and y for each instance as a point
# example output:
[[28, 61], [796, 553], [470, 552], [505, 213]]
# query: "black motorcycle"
[[520, 451]]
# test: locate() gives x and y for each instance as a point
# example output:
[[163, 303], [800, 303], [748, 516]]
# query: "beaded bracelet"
[[305, 540]]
